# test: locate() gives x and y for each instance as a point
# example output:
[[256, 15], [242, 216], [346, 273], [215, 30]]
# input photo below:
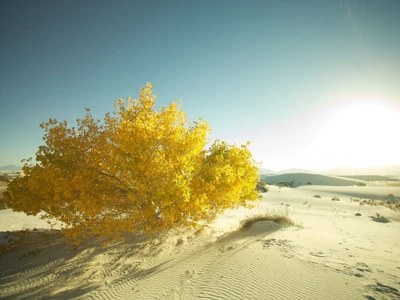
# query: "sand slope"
[[336, 255], [314, 179]]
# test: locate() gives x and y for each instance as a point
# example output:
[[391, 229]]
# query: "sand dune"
[[331, 254], [311, 179], [373, 177]]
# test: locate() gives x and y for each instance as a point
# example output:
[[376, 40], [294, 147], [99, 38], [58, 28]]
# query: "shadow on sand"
[[37, 263]]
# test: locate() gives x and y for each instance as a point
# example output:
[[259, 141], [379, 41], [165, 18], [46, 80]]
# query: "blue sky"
[[277, 73]]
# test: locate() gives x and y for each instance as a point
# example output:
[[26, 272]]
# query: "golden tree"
[[138, 170]]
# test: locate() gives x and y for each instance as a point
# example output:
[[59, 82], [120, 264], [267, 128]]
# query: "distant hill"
[[372, 177], [10, 167], [294, 170], [263, 171], [297, 179], [381, 170]]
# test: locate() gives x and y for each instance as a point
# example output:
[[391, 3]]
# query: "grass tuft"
[[385, 203], [281, 218], [380, 219]]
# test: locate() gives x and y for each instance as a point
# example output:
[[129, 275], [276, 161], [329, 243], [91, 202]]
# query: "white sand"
[[337, 255]]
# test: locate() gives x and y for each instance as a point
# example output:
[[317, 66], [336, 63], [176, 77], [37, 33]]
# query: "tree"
[[138, 170]]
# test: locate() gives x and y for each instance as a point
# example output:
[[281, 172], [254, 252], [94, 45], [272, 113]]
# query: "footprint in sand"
[[384, 289], [363, 267], [318, 254]]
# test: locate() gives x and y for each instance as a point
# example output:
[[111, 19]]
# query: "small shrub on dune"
[[386, 203], [285, 184], [335, 199], [395, 206], [370, 202], [281, 218], [380, 219], [317, 196], [262, 187]]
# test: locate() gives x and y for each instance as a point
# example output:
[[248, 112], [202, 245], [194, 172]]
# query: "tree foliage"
[[137, 170]]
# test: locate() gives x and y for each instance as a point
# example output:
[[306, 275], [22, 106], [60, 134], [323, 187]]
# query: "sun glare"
[[361, 134]]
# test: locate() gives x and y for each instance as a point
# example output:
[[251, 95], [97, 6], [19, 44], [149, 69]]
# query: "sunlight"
[[361, 133]]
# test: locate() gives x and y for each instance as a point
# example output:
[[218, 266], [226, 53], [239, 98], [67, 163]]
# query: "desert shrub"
[[361, 184], [380, 219], [390, 195], [335, 199], [317, 196], [276, 217], [395, 206], [386, 203], [261, 187], [285, 183], [137, 170]]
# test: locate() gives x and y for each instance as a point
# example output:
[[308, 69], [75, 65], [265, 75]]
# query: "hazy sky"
[[313, 84]]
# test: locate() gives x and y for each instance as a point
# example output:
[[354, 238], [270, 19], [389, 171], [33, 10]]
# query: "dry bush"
[[380, 219], [395, 206], [386, 203], [262, 187], [281, 218]]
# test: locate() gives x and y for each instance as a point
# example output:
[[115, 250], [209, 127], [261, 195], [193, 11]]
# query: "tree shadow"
[[41, 265], [46, 268], [256, 229]]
